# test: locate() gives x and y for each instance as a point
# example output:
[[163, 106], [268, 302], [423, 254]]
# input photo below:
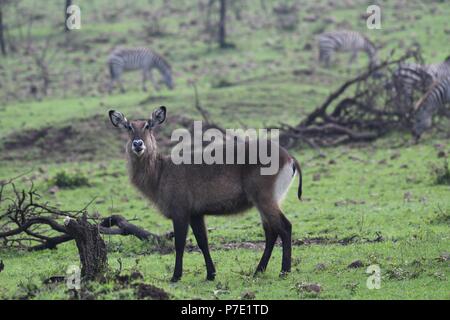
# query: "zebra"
[[128, 59], [413, 76], [407, 78], [346, 41], [439, 70], [434, 99]]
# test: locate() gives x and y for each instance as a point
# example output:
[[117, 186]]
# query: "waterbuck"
[[185, 193]]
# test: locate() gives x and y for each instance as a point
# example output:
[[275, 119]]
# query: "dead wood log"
[[28, 223], [367, 113], [124, 228], [91, 247]]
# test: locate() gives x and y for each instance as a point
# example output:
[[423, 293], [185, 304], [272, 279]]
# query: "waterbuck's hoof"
[[258, 272], [211, 277], [175, 279], [284, 273]]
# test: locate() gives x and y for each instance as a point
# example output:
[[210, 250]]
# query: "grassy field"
[[375, 204]]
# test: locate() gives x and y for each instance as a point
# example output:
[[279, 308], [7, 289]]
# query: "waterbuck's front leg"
[[180, 228], [200, 233]]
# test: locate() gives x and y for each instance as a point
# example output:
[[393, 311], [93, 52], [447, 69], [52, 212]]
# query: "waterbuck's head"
[[141, 139]]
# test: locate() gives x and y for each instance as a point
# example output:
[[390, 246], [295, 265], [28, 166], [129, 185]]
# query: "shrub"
[[221, 83], [442, 174], [65, 180]]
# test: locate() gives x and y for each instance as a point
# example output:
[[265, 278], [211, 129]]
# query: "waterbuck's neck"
[[145, 172]]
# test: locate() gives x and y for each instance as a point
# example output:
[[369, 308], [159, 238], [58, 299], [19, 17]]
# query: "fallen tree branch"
[[25, 221], [124, 228], [369, 112]]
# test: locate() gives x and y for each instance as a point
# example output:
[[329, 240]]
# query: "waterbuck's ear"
[[118, 119], [158, 116]]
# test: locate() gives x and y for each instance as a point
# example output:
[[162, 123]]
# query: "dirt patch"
[[128, 278], [85, 139], [145, 291], [142, 290], [259, 245], [80, 140]]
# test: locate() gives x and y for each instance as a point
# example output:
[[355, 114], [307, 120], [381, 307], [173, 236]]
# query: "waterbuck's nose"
[[138, 143]]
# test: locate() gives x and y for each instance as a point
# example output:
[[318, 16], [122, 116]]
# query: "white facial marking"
[[140, 153], [141, 148]]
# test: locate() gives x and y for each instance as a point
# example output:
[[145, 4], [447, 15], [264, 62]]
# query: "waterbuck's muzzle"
[[138, 147]]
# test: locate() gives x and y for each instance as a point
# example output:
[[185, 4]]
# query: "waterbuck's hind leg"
[[200, 233], [271, 238], [275, 224], [286, 238], [180, 228]]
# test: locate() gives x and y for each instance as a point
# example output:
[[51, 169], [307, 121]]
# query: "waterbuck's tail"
[[297, 166]]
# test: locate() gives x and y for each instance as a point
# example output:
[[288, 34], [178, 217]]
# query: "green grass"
[[414, 229], [357, 193]]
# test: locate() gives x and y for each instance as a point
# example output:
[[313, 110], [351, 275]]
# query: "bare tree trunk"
[[66, 15], [222, 24], [2, 34], [91, 248]]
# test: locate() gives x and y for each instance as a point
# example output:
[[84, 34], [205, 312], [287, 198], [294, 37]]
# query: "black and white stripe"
[[410, 77], [345, 41], [435, 98], [129, 59], [439, 70]]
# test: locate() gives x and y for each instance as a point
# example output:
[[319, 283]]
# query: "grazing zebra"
[[124, 59], [409, 77], [435, 98], [412, 76], [439, 70], [345, 41]]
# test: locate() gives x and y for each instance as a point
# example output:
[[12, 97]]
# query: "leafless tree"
[[2, 34], [218, 29], [28, 222], [66, 15], [222, 24], [3, 4]]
